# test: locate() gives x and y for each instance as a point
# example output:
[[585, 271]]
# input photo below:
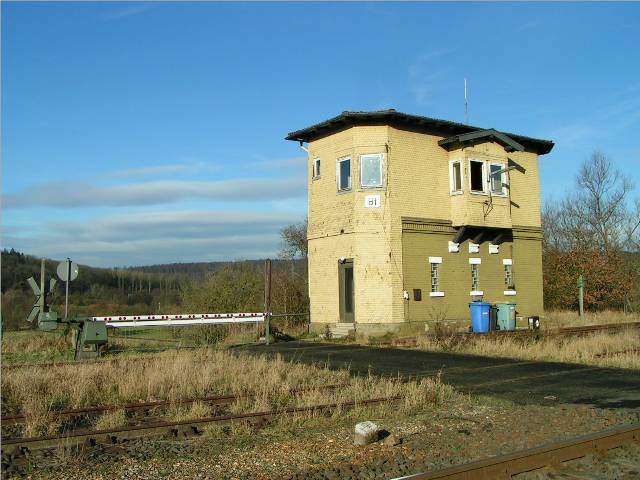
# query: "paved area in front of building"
[[524, 382]]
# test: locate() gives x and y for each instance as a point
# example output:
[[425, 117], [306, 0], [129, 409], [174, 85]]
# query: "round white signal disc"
[[62, 271]]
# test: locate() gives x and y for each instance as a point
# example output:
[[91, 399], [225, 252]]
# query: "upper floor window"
[[371, 170], [344, 174], [477, 175], [497, 180], [455, 176], [316, 168]]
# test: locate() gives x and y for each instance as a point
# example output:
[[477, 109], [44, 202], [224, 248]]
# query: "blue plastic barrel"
[[480, 317]]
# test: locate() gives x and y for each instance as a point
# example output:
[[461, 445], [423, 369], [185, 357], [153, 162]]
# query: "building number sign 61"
[[372, 201]]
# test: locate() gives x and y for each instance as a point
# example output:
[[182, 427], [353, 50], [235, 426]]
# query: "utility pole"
[[267, 299], [581, 296], [42, 283], [466, 104], [66, 297]]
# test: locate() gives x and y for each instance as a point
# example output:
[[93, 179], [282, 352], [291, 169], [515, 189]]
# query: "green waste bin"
[[506, 315]]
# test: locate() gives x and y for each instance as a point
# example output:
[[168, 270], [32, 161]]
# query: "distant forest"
[[145, 289]]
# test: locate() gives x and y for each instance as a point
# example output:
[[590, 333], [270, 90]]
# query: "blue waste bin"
[[480, 317]]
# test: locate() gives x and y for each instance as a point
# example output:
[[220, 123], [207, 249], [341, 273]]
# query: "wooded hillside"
[[149, 289]]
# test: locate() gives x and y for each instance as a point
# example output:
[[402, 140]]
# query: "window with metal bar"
[[435, 277], [475, 278], [508, 276]]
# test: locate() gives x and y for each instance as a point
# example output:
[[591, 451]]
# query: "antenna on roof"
[[466, 104]]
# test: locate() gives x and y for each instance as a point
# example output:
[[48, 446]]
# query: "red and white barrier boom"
[[116, 321]]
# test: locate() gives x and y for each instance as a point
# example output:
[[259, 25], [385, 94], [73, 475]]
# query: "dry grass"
[[177, 375], [560, 318], [112, 419], [603, 349], [19, 347]]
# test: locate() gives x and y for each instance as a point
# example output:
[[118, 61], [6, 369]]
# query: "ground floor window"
[[508, 275], [434, 263], [435, 278], [475, 277]]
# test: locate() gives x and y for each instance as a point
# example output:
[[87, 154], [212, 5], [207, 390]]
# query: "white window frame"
[[316, 169], [376, 155], [452, 189], [435, 261], [338, 162], [474, 264], [484, 177], [508, 262], [503, 180]]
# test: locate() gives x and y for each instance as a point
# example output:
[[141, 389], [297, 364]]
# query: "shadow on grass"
[[520, 381]]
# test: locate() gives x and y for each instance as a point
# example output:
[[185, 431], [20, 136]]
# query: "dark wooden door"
[[347, 296]]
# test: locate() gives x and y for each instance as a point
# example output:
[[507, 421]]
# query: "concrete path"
[[520, 381]]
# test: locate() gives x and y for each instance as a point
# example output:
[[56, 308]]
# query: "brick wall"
[[388, 259]]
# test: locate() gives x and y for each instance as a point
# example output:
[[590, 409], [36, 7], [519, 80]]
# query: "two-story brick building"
[[411, 218]]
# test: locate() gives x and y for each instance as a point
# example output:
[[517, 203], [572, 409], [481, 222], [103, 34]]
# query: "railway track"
[[550, 455], [521, 333], [399, 342], [100, 360], [131, 407], [13, 449]]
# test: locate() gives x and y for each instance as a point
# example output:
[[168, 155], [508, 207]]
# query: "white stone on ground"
[[365, 433]]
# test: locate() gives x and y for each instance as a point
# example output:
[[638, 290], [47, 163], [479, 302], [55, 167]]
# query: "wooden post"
[[267, 299]]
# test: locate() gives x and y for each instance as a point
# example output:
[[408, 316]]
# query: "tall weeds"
[[262, 384], [620, 350]]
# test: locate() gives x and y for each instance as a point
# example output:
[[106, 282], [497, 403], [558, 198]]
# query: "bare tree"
[[595, 216], [599, 205], [294, 241], [633, 229]]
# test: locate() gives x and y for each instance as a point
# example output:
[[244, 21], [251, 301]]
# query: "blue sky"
[[138, 133]]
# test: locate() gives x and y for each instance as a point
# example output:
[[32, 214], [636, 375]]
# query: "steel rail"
[[63, 364], [505, 466], [175, 428], [129, 407], [103, 360], [98, 361]]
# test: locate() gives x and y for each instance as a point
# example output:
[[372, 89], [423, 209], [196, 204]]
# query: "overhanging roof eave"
[[407, 121]]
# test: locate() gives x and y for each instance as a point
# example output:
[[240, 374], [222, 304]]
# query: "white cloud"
[[83, 195], [192, 167], [158, 237]]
